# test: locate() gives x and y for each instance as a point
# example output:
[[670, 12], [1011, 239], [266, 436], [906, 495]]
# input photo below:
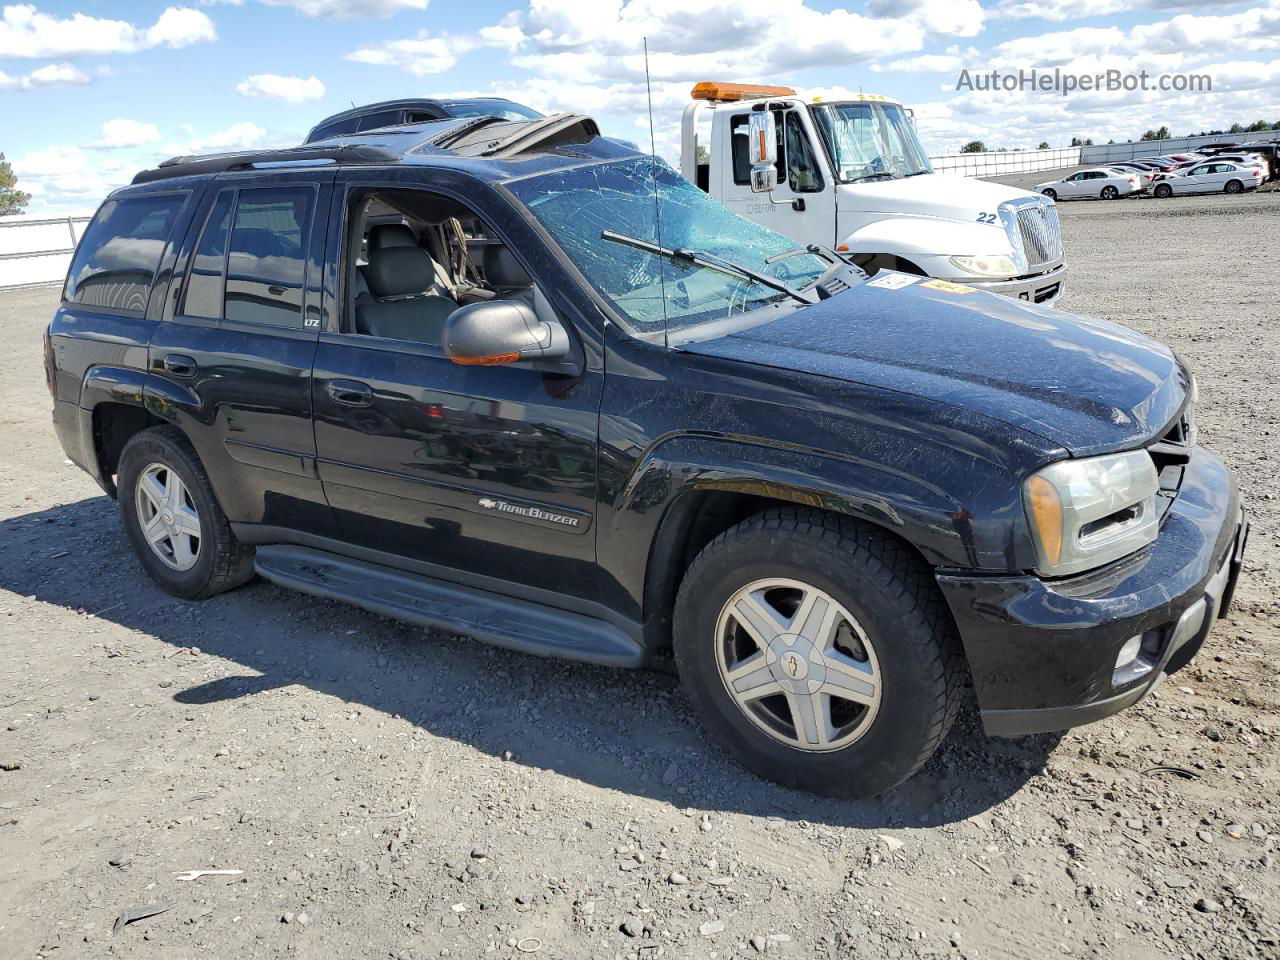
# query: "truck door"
[[231, 364], [802, 206]]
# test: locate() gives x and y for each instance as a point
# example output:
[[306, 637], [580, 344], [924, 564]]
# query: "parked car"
[[1096, 183], [1251, 160], [458, 376], [1145, 175], [394, 113], [1212, 176]]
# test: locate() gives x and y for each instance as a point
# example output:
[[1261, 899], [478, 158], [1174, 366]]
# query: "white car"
[[1212, 176], [1145, 177], [1097, 182]]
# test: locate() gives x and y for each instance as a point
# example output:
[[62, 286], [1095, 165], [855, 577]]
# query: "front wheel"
[[1050, 193], [173, 520], [1163, 191], [818, 651], [1110, 193], [1234, 186]]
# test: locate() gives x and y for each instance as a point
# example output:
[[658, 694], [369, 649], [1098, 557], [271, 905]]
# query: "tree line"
[[1159, 133]]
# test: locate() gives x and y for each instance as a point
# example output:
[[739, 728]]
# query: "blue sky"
[[92, 91]]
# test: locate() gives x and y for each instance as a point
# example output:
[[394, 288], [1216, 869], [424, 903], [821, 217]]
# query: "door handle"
[[351, 393], [179, 365]]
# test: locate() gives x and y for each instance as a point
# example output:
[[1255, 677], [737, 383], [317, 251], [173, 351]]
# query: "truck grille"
[[1041, 233]]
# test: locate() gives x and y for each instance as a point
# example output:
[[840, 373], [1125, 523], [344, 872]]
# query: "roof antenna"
[[657, 206]]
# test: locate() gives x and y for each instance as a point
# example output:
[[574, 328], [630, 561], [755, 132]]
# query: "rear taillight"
[[1132, 182]]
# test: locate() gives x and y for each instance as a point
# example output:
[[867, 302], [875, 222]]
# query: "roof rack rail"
[[352, 153]]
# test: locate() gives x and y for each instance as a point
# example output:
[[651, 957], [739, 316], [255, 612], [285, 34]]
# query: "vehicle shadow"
[[629, 731]]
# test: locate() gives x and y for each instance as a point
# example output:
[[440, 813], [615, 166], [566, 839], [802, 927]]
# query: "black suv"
[[393, 113], [519, 381]]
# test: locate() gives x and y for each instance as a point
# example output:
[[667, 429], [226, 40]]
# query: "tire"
[[901, 629], [1110, 193], [1051, 194], [1163, 191], [1233, 186], [193, 567]]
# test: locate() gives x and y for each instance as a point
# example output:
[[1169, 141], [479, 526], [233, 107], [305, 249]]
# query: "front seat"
[[400, 309], [384, 236], [505, 276]]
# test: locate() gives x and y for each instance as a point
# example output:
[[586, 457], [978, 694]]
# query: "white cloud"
[[272, 86], [25, 32], [338, 9], [245, 135], [950, 62], [1060, 10], [123, 133], [51, 75], [420, 55]]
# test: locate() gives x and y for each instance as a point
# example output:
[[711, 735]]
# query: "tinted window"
[[204, 284], [803, 175], [267, 260], [384, 118], [118, 255]]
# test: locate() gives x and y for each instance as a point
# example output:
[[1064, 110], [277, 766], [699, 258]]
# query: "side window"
[[119, 253], [209, 264], [803, 175], [384, 118], [266, 261]]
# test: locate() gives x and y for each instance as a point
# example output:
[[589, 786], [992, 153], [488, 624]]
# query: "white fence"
[[995, 164], [34, 251], [1134, 150]]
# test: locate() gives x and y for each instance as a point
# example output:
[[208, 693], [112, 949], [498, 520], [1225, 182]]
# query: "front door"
[[485, 474], [235, 352]]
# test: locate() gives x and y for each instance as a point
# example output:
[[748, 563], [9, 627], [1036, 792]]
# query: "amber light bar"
[[727, 92]]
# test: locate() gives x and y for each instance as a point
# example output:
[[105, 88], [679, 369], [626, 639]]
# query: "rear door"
[[232, 361]]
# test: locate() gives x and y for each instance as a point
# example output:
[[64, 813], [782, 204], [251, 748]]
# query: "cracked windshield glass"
[[631, 198], [870, 141]]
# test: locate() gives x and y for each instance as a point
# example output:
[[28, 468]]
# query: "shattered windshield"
[[634, 197], [870, 141]]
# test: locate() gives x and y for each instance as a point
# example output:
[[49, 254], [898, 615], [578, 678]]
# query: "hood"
[[930, 195], [1087, 385]]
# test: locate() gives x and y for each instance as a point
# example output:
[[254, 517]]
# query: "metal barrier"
[[1000, 163], [37, 251]]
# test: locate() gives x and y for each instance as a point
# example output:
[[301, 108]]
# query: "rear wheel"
[[1163, 191], [1233, 186], [818, 651], [172, 519], [1110, 193]]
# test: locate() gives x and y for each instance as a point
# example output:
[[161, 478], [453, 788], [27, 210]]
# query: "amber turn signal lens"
[[1046, 513], [493, 360]]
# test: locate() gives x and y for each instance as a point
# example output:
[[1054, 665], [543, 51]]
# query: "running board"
[[504, 621]]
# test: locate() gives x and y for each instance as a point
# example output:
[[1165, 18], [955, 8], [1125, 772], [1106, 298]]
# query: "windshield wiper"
[[818, 251], [870, 176], [708, 260]]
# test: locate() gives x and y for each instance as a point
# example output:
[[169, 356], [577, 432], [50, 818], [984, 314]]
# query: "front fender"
[[916, 237]]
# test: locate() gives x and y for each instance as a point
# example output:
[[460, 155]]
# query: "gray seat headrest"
[[399, 272], [503, 270], [386, 235]]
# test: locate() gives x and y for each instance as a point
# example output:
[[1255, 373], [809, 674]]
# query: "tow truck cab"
[[851, 174]]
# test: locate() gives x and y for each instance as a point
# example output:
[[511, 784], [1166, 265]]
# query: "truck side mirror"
[[763, 150]]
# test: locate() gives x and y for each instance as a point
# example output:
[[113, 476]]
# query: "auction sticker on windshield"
[[892, 280]]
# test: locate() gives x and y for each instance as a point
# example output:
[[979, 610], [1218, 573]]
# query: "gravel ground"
[[388, 794]]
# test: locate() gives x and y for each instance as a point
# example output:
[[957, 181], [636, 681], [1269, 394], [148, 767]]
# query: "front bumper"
[[1043, 652], [1044, 288]]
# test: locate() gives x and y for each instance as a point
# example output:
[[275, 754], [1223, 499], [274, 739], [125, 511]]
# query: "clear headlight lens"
[[997, 265], [1084, 513]]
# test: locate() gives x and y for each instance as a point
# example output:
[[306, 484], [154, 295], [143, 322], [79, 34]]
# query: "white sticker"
[[892, 280]]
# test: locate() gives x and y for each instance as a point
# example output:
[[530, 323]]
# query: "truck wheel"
[[173, 520], [1163, 191], [1233, 186], [1110, 193], [1051, 193], [818, 651]]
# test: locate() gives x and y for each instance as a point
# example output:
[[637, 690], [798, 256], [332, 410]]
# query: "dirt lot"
[[389, 794]]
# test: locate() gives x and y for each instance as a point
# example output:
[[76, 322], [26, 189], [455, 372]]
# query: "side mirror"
[[495, 333], [763, 150]]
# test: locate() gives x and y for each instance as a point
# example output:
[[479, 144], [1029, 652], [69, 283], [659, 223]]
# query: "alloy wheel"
[[798, 664], [168, 517]]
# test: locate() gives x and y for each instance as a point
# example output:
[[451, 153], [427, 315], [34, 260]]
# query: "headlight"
[[1085, 513], [994, 266]]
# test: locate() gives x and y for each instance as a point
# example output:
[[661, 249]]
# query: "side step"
[[504, 621]]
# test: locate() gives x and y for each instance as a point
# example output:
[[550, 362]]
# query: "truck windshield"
[[586, 208], [869, 141]]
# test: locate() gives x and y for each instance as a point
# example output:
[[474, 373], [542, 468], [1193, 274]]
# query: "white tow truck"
[[851, 174]]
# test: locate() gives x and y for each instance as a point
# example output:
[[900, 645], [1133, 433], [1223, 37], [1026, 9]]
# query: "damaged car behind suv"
[[516, 380]]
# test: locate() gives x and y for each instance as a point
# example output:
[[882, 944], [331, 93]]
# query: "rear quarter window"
[[116, 260]]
